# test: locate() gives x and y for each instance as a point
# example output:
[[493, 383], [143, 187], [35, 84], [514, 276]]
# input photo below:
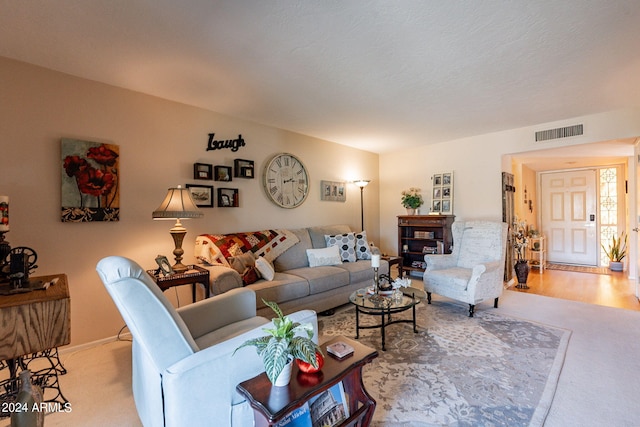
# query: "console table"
[[271, 404], [34, 325]]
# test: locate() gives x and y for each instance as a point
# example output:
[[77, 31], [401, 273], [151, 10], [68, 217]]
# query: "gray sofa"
[[298, 286]]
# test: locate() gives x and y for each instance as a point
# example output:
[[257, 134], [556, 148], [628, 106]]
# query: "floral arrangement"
[[520, 238], [411, 198], [401, 283]]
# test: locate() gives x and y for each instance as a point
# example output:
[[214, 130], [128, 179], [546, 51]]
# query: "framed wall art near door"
[[202, 195], [442, 194]]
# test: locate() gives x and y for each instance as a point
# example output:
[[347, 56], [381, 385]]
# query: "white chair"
[[184, 370], [474, 270]]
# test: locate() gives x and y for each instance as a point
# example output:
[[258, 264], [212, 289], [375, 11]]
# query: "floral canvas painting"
[[90, 181]]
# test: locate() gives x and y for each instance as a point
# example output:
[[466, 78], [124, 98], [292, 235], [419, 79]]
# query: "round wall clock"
[[286, 181]]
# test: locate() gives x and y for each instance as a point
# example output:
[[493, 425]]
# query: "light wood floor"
[[612, 290]]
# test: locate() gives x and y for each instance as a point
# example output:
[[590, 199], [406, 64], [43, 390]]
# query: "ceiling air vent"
[[545, 135]]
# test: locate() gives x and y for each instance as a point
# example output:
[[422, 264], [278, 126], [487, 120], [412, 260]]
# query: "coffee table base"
[[384, 324]]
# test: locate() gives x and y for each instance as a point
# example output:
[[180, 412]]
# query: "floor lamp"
[[362, 183]]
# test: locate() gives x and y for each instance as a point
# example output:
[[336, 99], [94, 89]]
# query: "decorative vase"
[[616, 266], [522, 273], [285, 376], [411, 211], [29, 397]]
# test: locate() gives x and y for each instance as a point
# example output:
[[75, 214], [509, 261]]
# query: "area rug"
[[578, 268], [489, 370]]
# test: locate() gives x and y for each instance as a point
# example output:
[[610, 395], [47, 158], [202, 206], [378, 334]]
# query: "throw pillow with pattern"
[[346, 243], [363, 251]]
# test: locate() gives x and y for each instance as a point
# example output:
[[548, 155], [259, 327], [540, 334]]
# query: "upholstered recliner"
[[184, 370], [474, 270]]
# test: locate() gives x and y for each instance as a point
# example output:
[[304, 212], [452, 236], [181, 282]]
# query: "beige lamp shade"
[[177, 205]]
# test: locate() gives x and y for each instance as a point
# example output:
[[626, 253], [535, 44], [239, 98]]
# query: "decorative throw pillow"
[[265, 268], [240, 262], [324, 256], [346, 244], [250, 275], [362, 246]]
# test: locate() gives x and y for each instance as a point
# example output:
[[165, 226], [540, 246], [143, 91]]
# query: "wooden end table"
[[192, 276], [271, 404], [394, 260]]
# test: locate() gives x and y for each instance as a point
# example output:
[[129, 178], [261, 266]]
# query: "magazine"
[[300, 417], [329, 408]]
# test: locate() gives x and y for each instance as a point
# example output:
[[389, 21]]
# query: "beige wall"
[[477, 163], [159, 142]]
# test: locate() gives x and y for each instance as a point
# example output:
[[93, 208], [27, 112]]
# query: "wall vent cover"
[[565, 132]]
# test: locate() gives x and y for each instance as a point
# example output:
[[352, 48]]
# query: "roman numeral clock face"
[[286, 181]]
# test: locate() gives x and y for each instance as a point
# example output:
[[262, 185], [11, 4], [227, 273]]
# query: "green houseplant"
[[282, 346], [411, 198], [616, 250]]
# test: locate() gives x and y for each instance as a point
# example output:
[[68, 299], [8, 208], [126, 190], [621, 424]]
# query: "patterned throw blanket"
[[216, 248]]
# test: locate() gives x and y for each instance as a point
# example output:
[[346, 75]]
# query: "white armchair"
[[474, 270], [184, 370]]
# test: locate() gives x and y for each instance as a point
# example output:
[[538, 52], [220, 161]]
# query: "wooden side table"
[[271, 404], [394, 260], [192, 276], [34, 325]]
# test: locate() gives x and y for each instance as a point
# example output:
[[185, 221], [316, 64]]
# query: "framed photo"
[[437, 179], [223, 173], [436, 205], [243, 168], [202, 171], [333, 191], [164, 267], [437, 193], [202, 195], [228, 198]]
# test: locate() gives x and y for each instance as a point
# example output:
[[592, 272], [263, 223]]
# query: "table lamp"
[[178, 205]]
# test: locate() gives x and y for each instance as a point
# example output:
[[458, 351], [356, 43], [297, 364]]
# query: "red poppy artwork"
[[90, 181]]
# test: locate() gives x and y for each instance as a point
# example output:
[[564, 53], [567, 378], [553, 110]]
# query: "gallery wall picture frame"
[[442, 194], [333, 191], [223, 173], [243, 168], [203, 171], [202, 195], [228, 198]]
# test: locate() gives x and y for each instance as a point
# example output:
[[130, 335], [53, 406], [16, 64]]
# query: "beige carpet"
[[597, 387], [578, 268]]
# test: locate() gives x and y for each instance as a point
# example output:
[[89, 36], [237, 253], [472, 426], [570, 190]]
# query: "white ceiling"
[[376, 75]]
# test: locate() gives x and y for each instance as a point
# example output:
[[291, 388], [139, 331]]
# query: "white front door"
[[569, 216]]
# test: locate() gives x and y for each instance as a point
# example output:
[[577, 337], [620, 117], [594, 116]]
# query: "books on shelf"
[[340, 349]]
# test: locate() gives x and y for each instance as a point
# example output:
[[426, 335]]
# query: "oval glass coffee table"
[[384, 306]]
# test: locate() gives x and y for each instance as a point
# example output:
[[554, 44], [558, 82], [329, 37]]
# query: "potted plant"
[[616, 251], [411, 199], [282, 346]]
